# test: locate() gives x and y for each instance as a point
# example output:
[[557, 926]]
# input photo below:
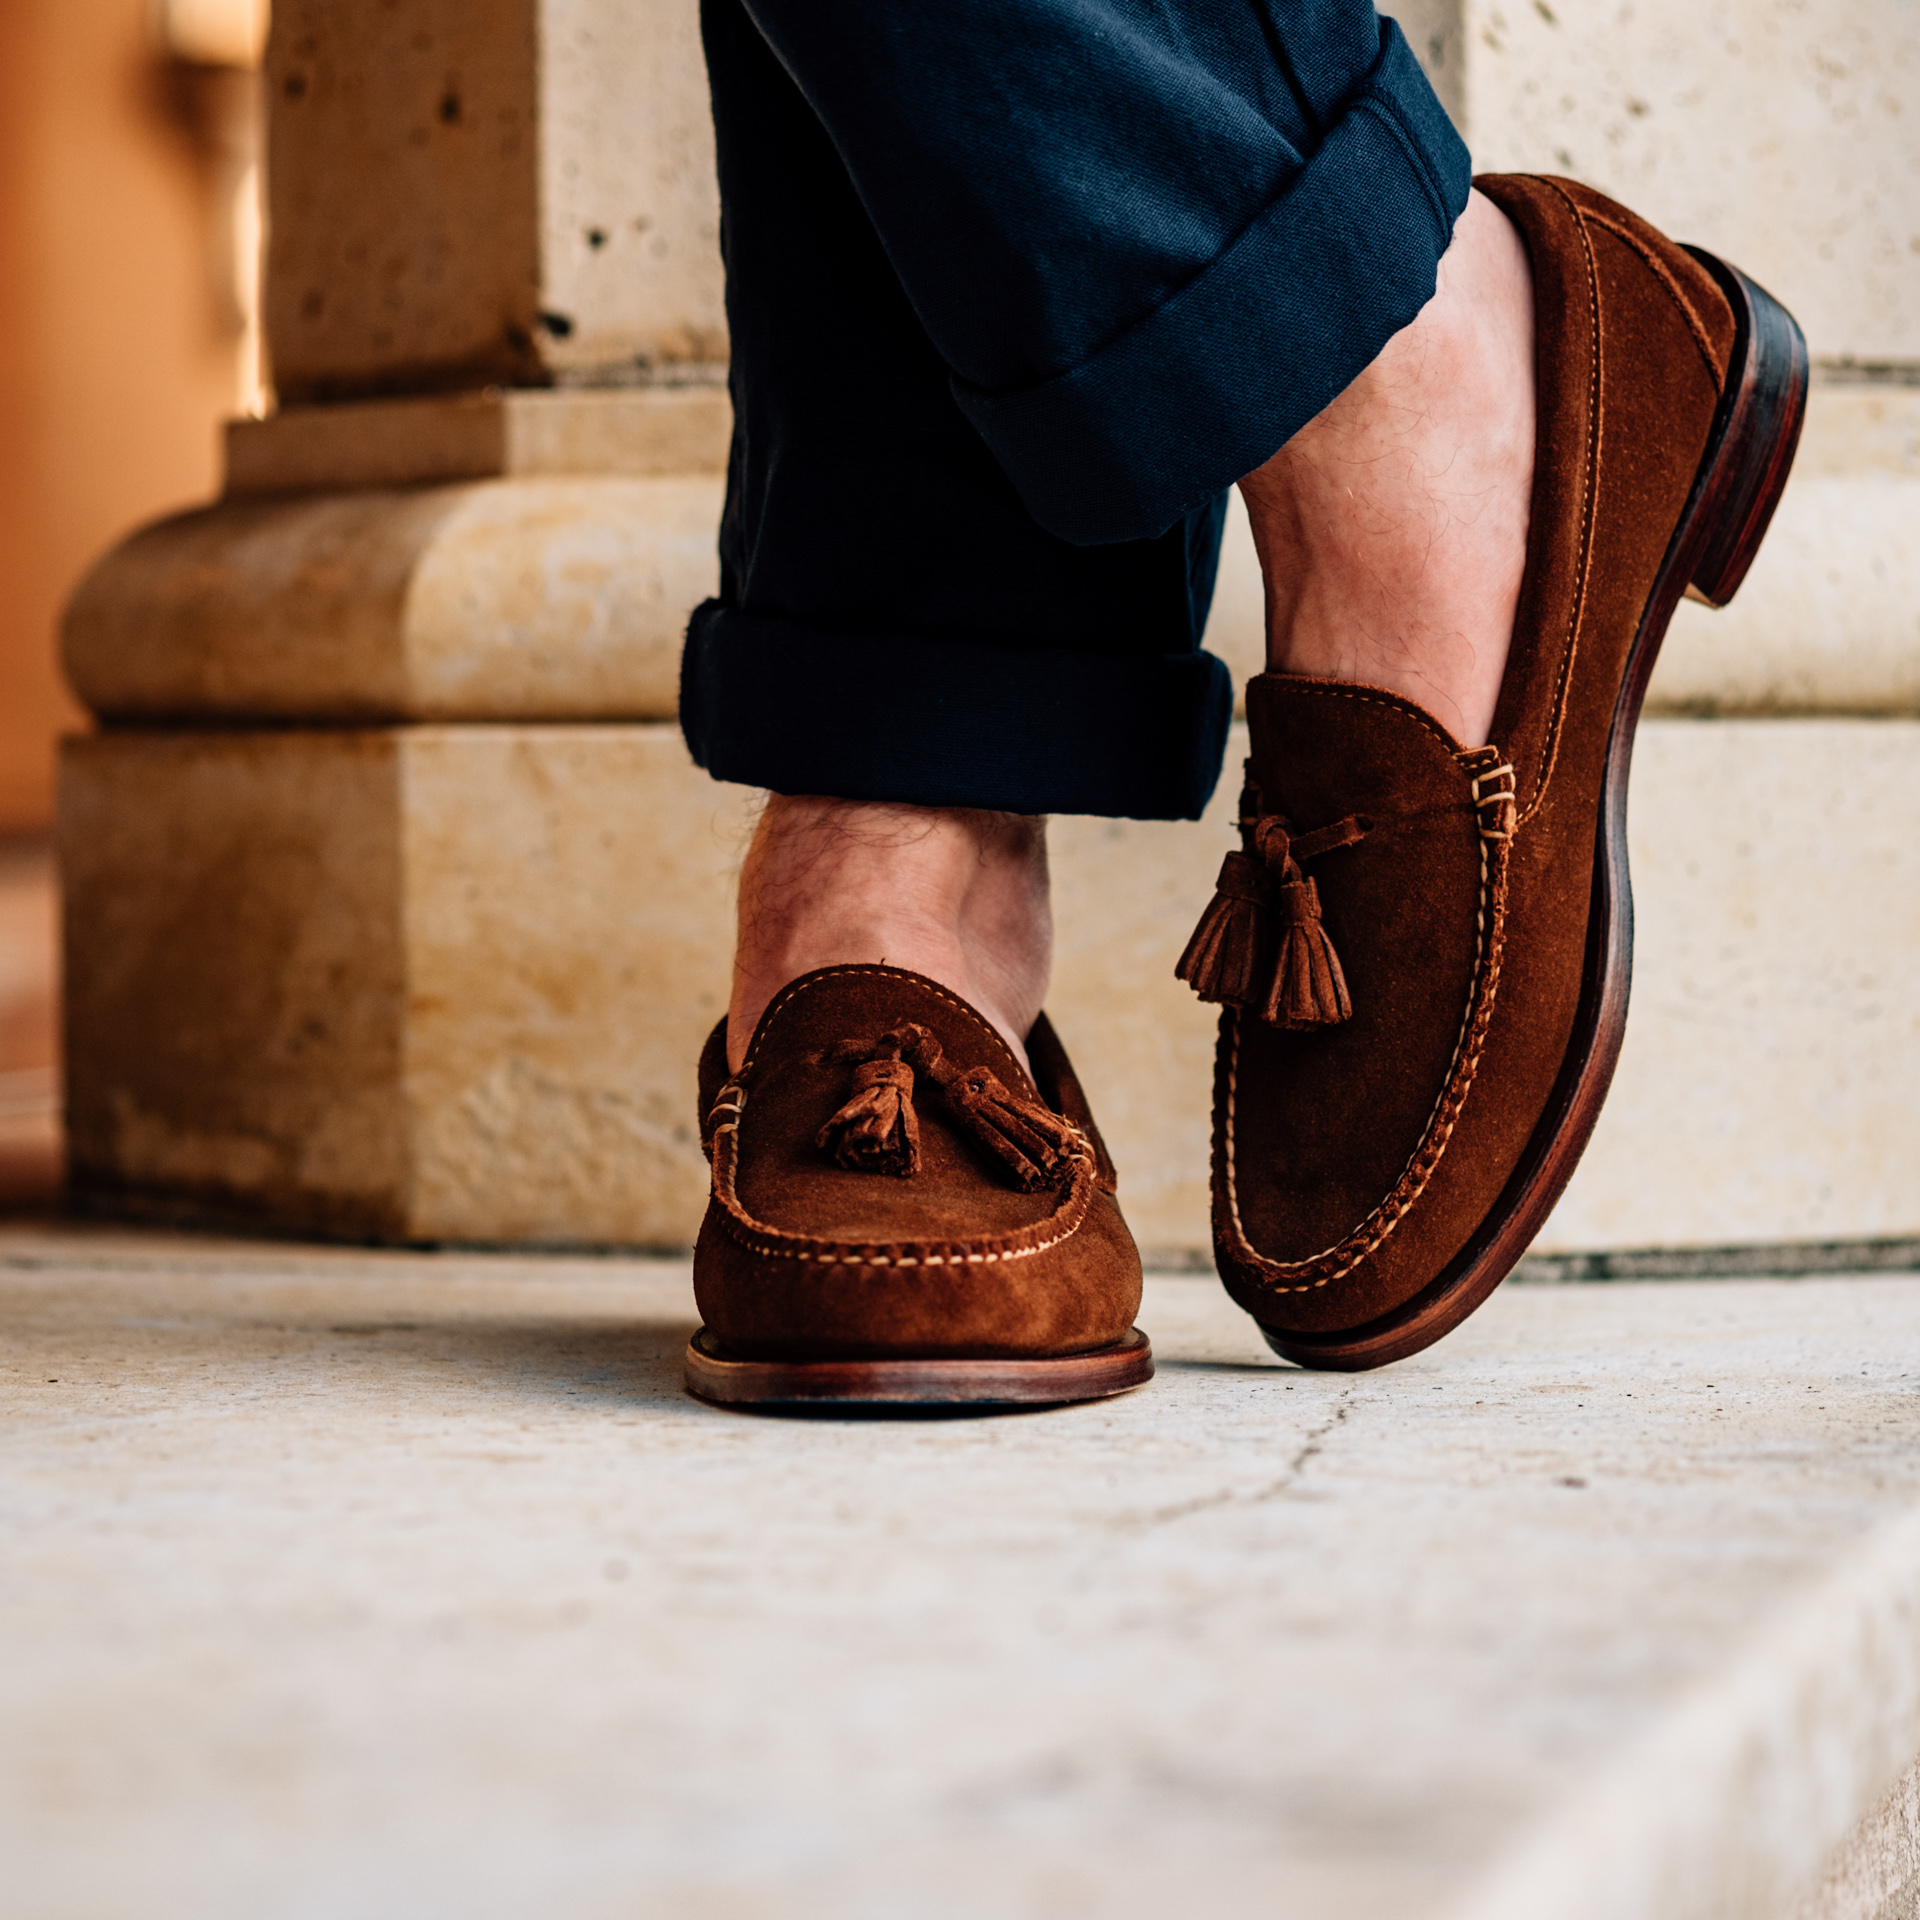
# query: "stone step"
[[449, 983], [374, 1583]]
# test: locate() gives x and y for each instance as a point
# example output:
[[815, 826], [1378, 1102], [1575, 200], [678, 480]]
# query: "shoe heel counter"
[[1550, 212]]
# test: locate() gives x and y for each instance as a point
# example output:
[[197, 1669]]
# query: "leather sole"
[[1739, 484], [907, 1383]]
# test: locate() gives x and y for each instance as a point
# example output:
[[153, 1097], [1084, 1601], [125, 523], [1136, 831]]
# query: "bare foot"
[[1392, 528], [960, 896]]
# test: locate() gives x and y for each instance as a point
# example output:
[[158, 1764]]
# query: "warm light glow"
[[216, 33], [253, 397]]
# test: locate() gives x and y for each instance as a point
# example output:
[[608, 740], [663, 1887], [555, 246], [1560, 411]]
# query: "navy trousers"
[[1017, 290]]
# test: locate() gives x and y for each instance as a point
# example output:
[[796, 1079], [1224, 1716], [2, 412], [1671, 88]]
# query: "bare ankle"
[[956, 894], [1392, 528]]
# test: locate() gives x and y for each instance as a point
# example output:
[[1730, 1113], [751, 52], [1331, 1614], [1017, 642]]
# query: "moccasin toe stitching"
[[997, 1235]]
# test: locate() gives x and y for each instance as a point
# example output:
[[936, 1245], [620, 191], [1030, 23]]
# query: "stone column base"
[[450, 983], [410, 983]]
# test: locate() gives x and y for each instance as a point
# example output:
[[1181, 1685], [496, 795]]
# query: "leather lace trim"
[[1494, 809], [778, 1243]]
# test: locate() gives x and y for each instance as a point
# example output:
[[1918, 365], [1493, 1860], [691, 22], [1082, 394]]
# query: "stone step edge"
[[1756, 1260], [1751, 1260], [1736, 1801], [423, 439], [1860, 420]]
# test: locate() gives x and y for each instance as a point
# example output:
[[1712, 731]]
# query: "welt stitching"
[[726, 1161], [776, 1244], [1664, 274], [953, 1000], [1589, 484], [1461, 1073], [832, 1256], [1347, 1242], [1386, 700]]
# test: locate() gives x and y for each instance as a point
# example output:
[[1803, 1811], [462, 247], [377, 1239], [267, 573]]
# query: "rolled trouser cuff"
[[1219, 377], [938, 722]]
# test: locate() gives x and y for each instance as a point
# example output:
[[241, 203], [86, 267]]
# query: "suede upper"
[[1353, 1160], [804, 1257]]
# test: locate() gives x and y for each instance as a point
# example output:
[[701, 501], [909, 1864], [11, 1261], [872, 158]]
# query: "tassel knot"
[[877, 1131], [1023, 1136], [1263, 924], [1222, 960]]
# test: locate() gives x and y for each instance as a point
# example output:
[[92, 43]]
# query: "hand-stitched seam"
[[953, 1000], [1589, 488], [1332, 690], [781, 1244], [833, 1256], [775, 1243], [1664, 274], [1357, 1244]]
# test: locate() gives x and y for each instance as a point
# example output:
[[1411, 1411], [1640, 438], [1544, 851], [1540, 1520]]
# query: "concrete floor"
[[367, 1584]]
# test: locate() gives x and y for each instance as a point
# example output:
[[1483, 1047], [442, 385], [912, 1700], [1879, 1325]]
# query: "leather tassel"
[[1025, 1138], [1222, 960], [877, 1131], [1308, 989]]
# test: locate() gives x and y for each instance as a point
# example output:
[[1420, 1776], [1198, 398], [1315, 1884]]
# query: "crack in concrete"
[[1309, 1449]]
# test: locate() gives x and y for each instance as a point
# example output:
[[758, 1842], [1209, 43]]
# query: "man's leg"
[[1016, 295], [1392, 529], [957, 894], [896, 625], [1392, 537], [1184, 296]]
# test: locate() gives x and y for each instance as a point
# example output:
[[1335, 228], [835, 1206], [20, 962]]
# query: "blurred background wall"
[[128, 206], [129, 226], [492, 585]]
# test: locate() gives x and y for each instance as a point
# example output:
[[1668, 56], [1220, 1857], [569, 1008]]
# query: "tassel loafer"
[[1422, 951], [902, 1215]]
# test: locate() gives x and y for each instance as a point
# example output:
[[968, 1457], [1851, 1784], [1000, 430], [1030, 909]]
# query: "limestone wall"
[[465, 191], [462, 612]]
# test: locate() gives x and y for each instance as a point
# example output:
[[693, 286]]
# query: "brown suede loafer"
[[901, 1215], [1422, 952]]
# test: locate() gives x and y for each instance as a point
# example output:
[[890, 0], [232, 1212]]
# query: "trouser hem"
[[939, 722], [1220, 376]]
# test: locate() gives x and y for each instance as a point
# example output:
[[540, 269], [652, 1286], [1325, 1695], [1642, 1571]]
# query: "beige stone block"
[[1828, 621], [1237, 624], [1436, 31], [1127, 894], [450, 982], [1769, 1088], [236, 976], [626, 153], [418, 984], [1780, 134], [475, 436], [551, 598], [474, 190], [1855, 426]]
